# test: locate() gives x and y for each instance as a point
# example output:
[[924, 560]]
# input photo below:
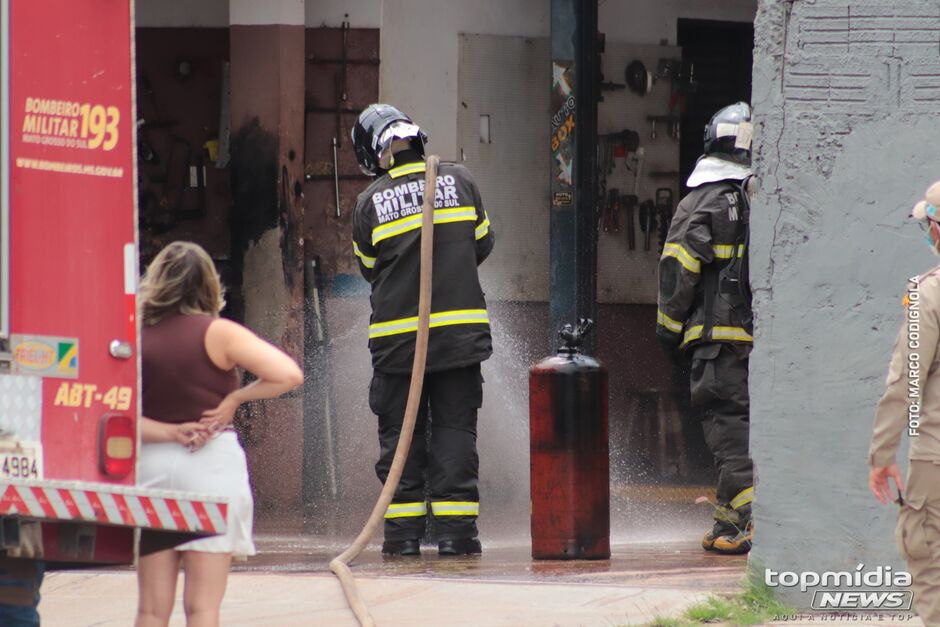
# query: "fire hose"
[[340, 564]]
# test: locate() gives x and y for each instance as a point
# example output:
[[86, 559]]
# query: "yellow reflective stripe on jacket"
[[403, 225], [455, 508], [683, 256], [439, 319], [455, 214], [483, 227], [669, 323], [408, 168], [367, 261], [728, 334], [744, 497], [407, 510], [726, 251]]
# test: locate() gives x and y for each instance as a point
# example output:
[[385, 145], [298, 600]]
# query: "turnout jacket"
[[703, 285], [387, 243], [911, 401]]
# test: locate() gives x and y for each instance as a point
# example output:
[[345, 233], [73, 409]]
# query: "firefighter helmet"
[[375, 130], [728, 134]]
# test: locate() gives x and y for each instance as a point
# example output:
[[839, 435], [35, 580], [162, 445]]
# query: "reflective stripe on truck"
[[114, 505]]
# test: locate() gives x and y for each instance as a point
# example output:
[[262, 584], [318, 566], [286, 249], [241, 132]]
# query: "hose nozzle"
[[574, 336]]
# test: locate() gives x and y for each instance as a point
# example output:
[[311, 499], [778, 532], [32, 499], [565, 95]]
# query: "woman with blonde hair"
[[190, 393]]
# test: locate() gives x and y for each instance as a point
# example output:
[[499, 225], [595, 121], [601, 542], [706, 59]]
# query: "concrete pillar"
[[267, 118], [846, 100]]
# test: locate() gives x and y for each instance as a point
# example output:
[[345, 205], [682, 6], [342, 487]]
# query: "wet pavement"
[[288, 584], [277, 600], [654, 570], [656, 564], [642, 552]]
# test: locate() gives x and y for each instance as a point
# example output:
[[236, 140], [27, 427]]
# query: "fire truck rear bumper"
[[114, 505], [69, 524]]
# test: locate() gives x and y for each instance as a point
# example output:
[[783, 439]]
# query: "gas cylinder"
[[569, 465]]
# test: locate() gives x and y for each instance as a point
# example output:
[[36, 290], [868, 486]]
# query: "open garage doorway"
[[649, 138], [722, 55]]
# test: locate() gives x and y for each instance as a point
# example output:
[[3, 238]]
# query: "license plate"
[[24, 461]]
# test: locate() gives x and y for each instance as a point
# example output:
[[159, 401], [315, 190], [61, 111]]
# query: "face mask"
[[927, 216], [933, 236]]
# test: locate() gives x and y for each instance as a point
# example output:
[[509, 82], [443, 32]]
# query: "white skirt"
[[217, 469]]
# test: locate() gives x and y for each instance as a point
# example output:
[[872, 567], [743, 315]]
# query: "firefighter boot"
[[405, 548], [732, 533], [459, 546]]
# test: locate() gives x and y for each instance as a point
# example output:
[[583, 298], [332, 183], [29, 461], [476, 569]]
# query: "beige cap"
[[933, 194], [931, 198]]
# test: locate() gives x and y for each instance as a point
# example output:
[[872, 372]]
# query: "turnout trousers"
[[719, 388], [440, 475]]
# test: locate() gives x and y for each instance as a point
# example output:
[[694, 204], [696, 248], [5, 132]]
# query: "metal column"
[[573, 232]]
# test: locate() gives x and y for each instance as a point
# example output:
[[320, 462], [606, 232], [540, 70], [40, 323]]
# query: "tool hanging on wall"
[[670, 122], [336, 173], [638, 156], [605, 165], [664, 204], [612, 212], [638, 78], [341, 94], [647, 221], [610, 147], [342, 91], [629, 202]]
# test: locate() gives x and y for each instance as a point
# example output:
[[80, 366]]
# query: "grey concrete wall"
[[845, 95]]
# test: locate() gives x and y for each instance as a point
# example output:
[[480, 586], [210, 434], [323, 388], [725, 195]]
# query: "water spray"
[[340, 564]]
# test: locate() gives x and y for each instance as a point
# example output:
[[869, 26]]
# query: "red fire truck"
[[69, 360]]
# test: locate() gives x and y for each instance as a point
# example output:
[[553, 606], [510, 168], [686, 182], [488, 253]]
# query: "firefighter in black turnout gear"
[[440, 475], [705, 312]]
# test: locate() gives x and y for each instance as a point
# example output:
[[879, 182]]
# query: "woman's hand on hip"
[[222, 415], [192, 435]]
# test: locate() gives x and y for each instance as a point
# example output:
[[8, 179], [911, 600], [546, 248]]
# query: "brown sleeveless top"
[[179, 380]]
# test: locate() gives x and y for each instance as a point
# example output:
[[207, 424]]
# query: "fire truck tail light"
[[119, 447], [116, 445]]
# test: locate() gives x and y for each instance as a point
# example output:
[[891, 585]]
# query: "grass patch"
[[757, 605], [668, 622]]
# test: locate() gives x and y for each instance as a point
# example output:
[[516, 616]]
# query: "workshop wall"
[[215, 13], [654, 21], [332, 13], [181, 13], [627, 266], [179, 94], [504, 78], [328, 233], [426, 84], [420, 50], [449, 81]]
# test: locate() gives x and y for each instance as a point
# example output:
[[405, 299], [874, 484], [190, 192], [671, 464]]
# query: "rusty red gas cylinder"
[[570, 469]]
